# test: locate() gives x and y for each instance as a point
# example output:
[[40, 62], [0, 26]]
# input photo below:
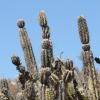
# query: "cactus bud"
[[21, 23]]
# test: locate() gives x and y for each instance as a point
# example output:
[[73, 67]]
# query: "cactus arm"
[[27, 48], [88, 60], [47, 49]]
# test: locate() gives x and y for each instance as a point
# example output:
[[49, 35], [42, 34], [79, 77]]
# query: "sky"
[[62, 18]]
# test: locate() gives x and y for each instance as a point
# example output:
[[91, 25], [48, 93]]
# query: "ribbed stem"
[[27, 48], [88, 62], [47, 50]]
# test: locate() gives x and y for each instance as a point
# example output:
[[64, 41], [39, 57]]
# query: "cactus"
[[46, 59], [4, 90], [68, 78], [27, 48], [56, 79], [88, 61], [47, 50], [26, 80]]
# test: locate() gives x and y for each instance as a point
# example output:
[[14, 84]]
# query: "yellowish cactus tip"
[[81, 17]]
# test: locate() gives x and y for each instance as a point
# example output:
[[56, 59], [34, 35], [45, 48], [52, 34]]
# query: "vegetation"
[[57, 79]]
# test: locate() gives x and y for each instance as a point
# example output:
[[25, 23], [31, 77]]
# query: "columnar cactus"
[[26, 80], [24, 75], [46, 52], [46, 58], [56, 78], [88, 61], [27, 48], [47, 92], [68, 78], [4, 90]]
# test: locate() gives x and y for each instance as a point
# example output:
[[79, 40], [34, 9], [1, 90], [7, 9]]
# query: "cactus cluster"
[[56, 79]]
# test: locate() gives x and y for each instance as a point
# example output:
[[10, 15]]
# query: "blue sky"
[[62, 18]]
